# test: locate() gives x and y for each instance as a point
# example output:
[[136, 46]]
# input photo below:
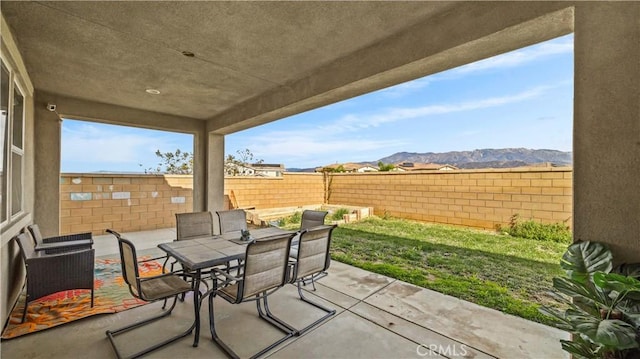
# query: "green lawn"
[[498, 271]]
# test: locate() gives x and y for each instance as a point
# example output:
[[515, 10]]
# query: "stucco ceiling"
[[111, 52]]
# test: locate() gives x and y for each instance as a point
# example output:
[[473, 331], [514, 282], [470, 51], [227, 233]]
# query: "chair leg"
[[214, 336], [330, 312], [24, 311], [271, 318], [230, 353], [112, 333]]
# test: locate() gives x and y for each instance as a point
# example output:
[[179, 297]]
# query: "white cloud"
[[517, 58], [337, 137], [507, 60], [111, 147], [407, 87], [354, 122]]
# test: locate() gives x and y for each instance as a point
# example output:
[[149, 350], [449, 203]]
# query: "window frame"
[[10, 149]]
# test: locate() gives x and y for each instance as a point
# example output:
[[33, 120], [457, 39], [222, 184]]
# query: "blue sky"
[[522, 98]]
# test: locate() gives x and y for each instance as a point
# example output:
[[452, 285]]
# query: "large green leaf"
[[616, 282], [629, 270], [612, 333], [582, 259], [587, 294], [579, 349]]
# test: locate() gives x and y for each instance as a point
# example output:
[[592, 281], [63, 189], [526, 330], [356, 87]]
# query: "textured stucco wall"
[[607, 126], [11, 265]]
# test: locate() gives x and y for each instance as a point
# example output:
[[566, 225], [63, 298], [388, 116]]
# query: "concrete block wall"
[[95, 202], [474, 198], [290, 190]]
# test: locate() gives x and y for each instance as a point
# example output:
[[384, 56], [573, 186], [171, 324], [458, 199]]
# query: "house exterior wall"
[[11, 264], [607, 126]]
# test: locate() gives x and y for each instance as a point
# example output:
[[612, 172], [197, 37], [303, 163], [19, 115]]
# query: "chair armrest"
[[61, 258], [228, 276], [70, 237], [80, 244]]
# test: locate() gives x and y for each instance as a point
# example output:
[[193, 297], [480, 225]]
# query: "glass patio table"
[[206, 252]]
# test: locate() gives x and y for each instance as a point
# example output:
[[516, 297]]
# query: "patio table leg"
[[196, 306]]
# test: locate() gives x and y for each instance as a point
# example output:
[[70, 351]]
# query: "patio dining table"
[[198, 254]]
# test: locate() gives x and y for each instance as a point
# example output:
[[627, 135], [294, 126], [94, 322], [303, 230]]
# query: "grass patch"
[[497, 271]]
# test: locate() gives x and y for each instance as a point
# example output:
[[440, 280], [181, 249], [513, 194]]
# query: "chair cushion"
[[163, 287]]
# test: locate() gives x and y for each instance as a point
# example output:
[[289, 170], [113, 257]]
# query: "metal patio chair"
[[312, 262], [193, 225], [265, 271], [310, 219], [232, 220], [52, 273], [150, 289]]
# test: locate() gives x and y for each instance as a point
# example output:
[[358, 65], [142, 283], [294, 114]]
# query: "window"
[[12, 145], [4, 139]]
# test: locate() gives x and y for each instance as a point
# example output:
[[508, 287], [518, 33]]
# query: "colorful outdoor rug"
[[111, 295]]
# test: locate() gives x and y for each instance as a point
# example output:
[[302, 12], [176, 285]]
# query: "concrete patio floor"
[[377, 317]]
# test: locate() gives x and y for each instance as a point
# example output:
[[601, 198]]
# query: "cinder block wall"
[[474, 198], [290, 190], [94, 202]]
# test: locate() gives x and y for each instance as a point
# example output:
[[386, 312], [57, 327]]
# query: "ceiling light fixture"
[[153, 91]]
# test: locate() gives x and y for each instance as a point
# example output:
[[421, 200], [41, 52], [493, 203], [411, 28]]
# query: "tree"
[[382, 167], [177, 162], [236, 166]]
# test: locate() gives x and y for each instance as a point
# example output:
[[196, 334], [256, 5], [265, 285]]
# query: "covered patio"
[[377, 317], [214, 68]]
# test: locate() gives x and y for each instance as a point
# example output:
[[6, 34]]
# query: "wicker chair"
[[265, 271], [312, 262], [232, 220], [52, 273], [150, 289], [60, 244]]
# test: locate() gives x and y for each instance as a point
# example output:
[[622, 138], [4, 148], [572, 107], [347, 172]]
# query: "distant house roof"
[[413, 166], [267, 166], [349, 167]]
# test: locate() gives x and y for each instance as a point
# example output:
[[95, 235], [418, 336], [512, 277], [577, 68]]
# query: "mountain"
[[506, 157]]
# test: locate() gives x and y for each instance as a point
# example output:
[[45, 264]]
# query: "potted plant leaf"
[[602, 304]]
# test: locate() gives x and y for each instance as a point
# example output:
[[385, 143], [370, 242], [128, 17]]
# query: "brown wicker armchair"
[[60, 244], [52, 273]]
